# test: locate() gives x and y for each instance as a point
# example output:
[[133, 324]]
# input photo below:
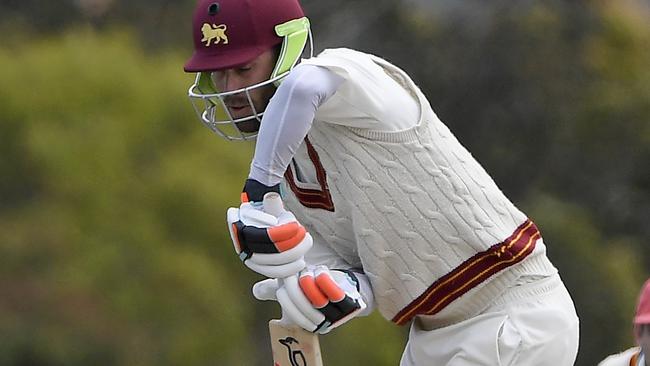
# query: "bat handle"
[[272, 204], [284, 319]]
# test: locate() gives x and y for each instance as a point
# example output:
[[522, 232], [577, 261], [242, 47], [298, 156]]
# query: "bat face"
[[291, 345], [294, 346]]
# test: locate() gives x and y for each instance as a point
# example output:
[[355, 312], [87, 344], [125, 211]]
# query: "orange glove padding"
[[269, 245], [317, 299]]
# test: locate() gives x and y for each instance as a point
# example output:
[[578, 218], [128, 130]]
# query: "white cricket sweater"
[[412, 208]]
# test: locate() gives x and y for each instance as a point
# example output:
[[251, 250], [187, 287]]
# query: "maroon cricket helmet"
[[643, 308], [230, 33]]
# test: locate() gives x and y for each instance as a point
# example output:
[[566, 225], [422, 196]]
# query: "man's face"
[[254, 72]]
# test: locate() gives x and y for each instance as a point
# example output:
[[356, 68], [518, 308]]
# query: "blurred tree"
[[99, 263], [40, 17]]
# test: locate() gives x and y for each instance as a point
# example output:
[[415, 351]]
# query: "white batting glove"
[[269, 245], [318, 299]]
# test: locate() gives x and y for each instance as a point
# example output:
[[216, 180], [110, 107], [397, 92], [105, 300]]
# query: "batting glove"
[[317, 299], [272, 245]]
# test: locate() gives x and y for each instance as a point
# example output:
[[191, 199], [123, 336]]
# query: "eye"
[[217, 75]]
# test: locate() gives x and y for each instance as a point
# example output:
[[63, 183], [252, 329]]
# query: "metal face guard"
[[212, 111], [210, 106]]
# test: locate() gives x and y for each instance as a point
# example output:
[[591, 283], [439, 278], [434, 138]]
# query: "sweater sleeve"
[[288, 118]]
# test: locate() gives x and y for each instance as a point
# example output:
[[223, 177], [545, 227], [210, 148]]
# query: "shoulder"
[[345, 62], [620, 359], [311, 80], [338, 55]]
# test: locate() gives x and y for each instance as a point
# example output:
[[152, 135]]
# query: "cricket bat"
[[293, 346], [290, 344]]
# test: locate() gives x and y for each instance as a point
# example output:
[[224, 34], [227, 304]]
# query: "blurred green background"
[[113, 243]]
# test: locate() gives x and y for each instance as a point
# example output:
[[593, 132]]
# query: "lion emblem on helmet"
[[213, 32]]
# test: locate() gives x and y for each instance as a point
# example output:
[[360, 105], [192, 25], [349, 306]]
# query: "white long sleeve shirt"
[[373, 101]]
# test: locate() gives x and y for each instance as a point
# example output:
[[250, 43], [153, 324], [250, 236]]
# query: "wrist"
[[365, 290], [254, 191]]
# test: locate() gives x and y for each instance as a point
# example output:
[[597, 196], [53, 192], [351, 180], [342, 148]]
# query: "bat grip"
[[272, 204]]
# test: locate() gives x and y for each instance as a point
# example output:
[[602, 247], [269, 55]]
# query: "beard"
[[248, 126], [240, 107]]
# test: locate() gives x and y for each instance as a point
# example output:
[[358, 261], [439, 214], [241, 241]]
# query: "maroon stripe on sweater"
[[312, 198], [472, 272]]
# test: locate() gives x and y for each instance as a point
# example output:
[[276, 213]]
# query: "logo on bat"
[[296, 357]]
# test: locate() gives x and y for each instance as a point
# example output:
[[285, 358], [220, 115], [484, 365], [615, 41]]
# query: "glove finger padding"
[[232, 216], [292, 254], [295, 306], [272, 239], [274, 246], [265, 289], [251, 214], [302, 303], [317, 300], [293, 313], [334, 294]]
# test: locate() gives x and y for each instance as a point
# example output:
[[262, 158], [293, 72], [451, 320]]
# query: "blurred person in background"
[[384, 207], [636, 356]]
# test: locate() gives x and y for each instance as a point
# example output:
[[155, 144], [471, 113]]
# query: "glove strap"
[[254, 191], [352, 276]]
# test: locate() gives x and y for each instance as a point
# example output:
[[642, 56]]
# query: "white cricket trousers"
[[534, 324]]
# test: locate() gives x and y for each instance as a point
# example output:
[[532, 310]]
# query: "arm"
[[288, 118]]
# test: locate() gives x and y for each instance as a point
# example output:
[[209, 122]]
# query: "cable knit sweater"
[[414, 210]]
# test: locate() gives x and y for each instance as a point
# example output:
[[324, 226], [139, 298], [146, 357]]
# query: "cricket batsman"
[[383, 207]]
